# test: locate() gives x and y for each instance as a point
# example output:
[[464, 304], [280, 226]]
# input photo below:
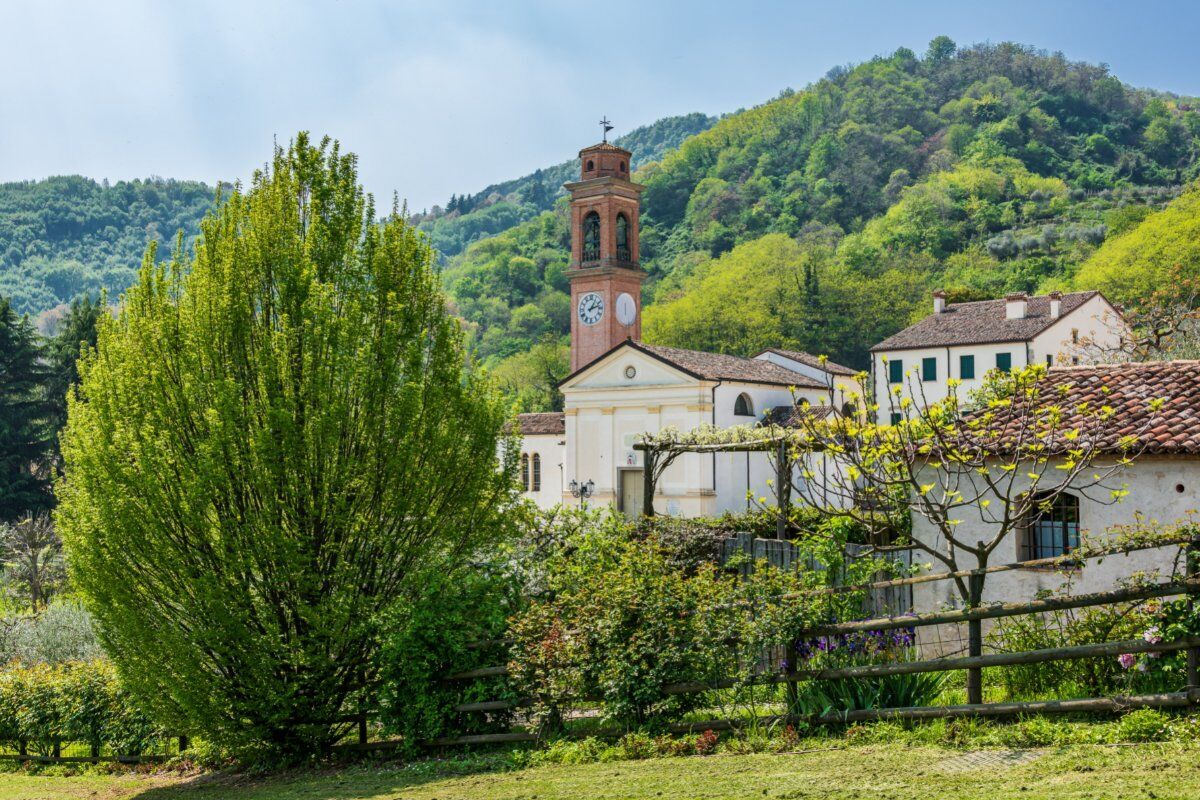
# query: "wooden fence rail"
[[973, 663]]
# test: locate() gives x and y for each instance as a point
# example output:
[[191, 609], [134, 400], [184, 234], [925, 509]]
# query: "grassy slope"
[[1163, 771]]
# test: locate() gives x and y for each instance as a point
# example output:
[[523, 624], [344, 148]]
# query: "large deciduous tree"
[[273, 441]]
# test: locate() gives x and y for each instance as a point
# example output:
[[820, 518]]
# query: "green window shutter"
[[895, 417], [1004, 362], [929, 369], [966, 367], [896, 371]]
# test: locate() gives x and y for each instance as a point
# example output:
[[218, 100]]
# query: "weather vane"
[[607, 126]]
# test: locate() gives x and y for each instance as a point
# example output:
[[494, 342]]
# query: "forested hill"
[[66, 236], [470, 217], [821, 220]]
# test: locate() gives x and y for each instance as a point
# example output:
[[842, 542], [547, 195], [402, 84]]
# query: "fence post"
[[1192, 554], [58, 748], [975, 641], [95, 752], [184, 744], [783, 491], [362, 729]]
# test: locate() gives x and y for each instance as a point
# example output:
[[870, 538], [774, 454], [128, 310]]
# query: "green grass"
[[1135, 771]]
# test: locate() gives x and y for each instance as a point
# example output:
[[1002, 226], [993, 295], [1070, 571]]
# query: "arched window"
[[622, 166], [591, 237], [849, 410], [524, 472], [743, 407], [536, 484], [590, 166], [1052, 527], [622, 237]]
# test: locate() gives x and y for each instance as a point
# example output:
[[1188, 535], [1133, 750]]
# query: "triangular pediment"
[[613, 371]]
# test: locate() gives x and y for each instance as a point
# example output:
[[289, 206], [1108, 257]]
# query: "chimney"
[[939, 301], [1015, 306], [1055, 305]]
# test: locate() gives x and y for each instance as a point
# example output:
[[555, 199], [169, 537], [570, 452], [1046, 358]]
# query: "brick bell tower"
[[606, 279]]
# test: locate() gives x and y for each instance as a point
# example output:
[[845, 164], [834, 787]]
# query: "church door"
[[632, 492]]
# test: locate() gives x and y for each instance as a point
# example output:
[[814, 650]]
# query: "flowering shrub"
[[1156, 671], [860, 649], [1090, 677], [620, 621]]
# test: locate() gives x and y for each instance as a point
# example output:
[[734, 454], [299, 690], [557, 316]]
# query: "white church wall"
[[551, 452]]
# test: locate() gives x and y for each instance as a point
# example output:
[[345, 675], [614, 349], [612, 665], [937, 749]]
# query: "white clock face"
[[626, 309], [591, 308]]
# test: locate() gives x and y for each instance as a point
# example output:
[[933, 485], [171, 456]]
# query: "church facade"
[[621, 387]]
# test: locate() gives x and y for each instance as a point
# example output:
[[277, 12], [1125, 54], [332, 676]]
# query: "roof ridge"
[[1027, 297]]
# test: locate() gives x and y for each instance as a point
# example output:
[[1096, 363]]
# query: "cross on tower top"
[[607, 126]]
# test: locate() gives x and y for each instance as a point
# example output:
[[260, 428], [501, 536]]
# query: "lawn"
[[1089, 771]]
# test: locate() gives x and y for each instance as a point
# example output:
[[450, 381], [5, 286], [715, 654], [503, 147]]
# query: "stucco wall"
[[551, 449], [1161, 490]]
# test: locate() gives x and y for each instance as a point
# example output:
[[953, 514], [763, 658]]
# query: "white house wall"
[[947, 358], [1097, 326], [1162, 490]]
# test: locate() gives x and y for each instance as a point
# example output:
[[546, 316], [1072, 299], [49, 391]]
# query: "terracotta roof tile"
[[791, 416], [542, 424], [812, 361], [718, 366], [1128, 389], [982, 322]]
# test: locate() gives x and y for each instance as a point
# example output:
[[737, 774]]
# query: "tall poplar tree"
[[272, 443]]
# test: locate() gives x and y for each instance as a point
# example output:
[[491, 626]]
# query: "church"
[[620, 387]]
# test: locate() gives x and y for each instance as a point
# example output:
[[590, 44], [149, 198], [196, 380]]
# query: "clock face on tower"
[[626, 308], [591, 308]]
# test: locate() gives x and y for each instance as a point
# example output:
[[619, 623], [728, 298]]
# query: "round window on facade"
[[631, 372]]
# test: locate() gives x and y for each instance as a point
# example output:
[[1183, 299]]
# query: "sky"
[[447, 96]]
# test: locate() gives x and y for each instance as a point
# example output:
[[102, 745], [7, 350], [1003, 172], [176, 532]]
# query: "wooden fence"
[[973, 663], [887, 595]]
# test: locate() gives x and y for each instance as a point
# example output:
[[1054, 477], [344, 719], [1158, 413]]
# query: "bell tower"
[[606, 278]]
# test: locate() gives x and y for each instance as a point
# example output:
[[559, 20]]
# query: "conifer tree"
[[24, 431]]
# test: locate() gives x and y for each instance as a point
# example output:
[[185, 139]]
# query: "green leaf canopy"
[[273, 442]]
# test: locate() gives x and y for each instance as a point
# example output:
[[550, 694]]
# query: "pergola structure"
[[662, 449]]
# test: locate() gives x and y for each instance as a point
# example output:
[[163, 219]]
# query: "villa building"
[[964, 341]]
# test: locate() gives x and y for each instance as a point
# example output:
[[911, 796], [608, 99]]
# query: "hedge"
[[75, 702]]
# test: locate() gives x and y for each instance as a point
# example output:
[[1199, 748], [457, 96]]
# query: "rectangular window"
[[966, 367], [1053, 531], [1049, 360], [895, 417], [1004, 362], [929, 369], [896, 371]]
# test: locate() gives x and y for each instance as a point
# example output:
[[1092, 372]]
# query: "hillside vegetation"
[[66, 236], [822, 219]]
